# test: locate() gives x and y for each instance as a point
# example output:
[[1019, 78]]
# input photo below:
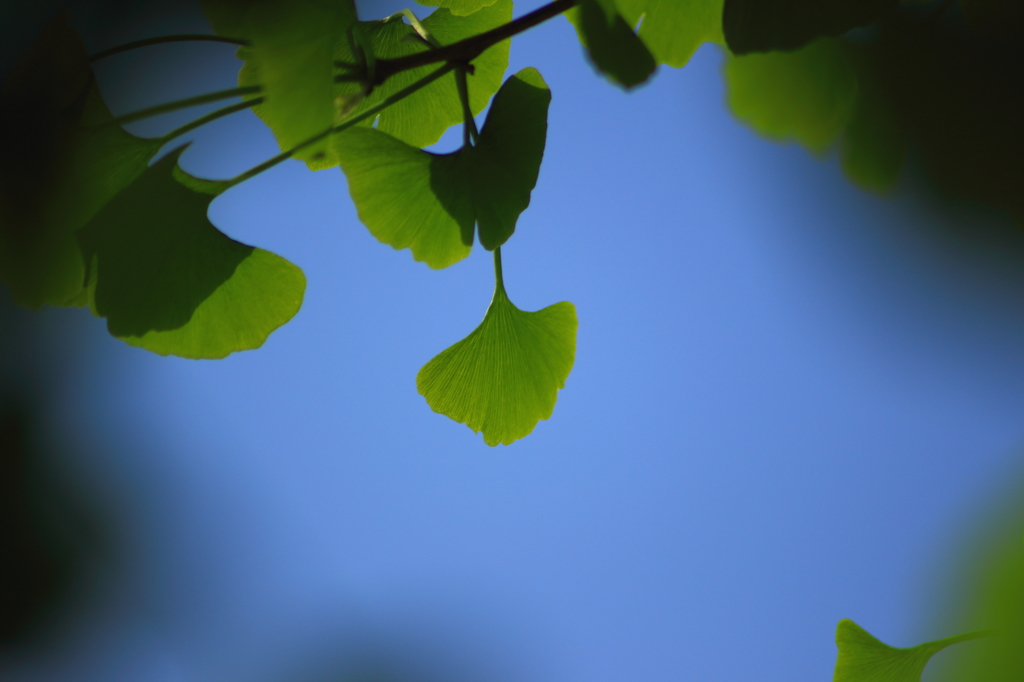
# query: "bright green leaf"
[[611, 43], [674, 29], [170, 282], [763, 25], [422, 118], [291, 55], [808, 95], [862, 658], [63, 164], [459, 8], [430, 203], [505, 376]]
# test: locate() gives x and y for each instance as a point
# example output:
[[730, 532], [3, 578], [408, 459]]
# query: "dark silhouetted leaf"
[[430, 203], [60, 164], [674, 29], [504, 377], [421, 118], [291, 55], [170, 282], [763, 25], [611, 43]]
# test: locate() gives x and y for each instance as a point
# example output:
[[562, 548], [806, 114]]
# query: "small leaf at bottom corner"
[[505, 376]]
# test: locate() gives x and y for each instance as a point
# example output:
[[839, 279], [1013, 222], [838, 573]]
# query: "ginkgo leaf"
[[611, 43], [763, 25], [459, 8], [674, 29], [169, 281], [291, 56], [505, 376], [863, 658], [421, 118], [63, 164], [808, 95], [430, 203]]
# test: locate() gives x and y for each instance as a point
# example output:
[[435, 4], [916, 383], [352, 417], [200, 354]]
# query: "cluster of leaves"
[[88, 218]]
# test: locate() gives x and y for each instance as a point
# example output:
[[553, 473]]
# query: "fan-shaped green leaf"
[[762, 25], [60, 164], [611, 43], [170, 282], [674, 29], [430, 203], [421, 118], [863, 658], [458, 7], [505, 376], [291, 56]]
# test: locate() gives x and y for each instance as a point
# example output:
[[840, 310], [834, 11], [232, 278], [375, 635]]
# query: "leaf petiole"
[[165, 39], [499, 281], [212, 116], [469, 131], [369, 113], [184, 104]]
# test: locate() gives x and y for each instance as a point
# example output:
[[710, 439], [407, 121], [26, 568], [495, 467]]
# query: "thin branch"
[[469, 49], [185, 103], [372, 111], [165, 39], [212, 116]]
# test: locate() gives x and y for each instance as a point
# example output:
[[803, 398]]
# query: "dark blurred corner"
[[954, 72], [49, 535]]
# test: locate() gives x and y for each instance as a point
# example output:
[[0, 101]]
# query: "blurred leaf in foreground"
[[170, 282], [614, 48], [505, 376], [863, 658], [808, 95], [61, 160], [826, 92], [431, 203]]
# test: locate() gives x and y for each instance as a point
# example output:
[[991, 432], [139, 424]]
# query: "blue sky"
[[790, 399]]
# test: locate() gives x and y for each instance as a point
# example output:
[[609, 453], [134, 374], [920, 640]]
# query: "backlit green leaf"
[[430, 203], [808, 95], [674, 29], [422, 118], [505, 376], [291, 55], [862, 658], [63, 164], [762, 25], [458, 7], [611, 43], [170, 282]]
